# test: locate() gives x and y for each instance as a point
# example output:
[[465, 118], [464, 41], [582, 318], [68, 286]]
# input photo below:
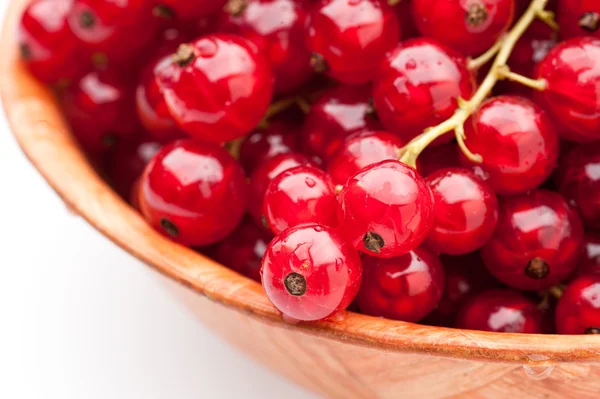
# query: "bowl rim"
[[44, 136]]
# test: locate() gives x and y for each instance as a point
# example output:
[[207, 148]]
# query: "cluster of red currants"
[[308, 144]]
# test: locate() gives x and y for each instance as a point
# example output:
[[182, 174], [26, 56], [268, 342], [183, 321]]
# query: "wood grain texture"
[[357, 357]]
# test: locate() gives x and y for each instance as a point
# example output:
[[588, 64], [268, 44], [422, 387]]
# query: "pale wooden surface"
[[359, 356]]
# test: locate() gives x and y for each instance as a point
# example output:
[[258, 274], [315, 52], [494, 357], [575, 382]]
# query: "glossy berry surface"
[[264, 174], [193, 192], [578, 310], [101, 109], [578, 18], [500, 310], [277, 29], [467, 26], [405, 288], [310, 273], [537, 242], [303, 194], [189, 10], [349, 37], [517, 141], [466, 211], [337, 113], [361, 150], [243, 249], [217, 88], [578, 180], [263, 144], [572, 73], [418, 85], [388, 209], [47, 44]]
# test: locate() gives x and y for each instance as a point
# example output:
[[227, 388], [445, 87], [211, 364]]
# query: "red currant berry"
[[129, 160], [338, 113], [405, 288], [217, 88], [101, 109], [150, 104], [578, 180], [590, 263], [578, 310], [264, 174], [517, 141], [115, 28], [387, 209], [263, 144], [360, 150], [303, 194], [348, 38], [466, 211], [243, 249], [193, 192], [277, 29], [501, 310], [466, 276], [470, 26], [188, 10], [578, 18], [572, 74], [310, 273], [438, 157], [48, 46], [537, 242], [418, 86]]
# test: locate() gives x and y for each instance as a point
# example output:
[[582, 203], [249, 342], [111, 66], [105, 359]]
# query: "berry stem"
[[411, 151], [548, 18], [504, 72]]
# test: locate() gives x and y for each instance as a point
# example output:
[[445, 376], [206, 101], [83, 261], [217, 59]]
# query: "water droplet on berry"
[[318, 229], [310, 182], [411, 64]]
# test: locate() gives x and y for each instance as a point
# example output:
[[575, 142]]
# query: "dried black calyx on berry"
[[236, 8], [373, 242], [184, 55], [589, 21], [169, 227], [537, 269], [163, 11], [25, 51], [86, 19], [295, 284], [476, 14], [371, 112], [592, 330], [318, 63], [109, 140]]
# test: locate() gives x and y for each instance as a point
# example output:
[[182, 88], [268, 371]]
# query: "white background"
[[80, 319]]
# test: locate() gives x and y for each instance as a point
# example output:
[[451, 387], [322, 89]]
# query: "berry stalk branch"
[[498, 71]]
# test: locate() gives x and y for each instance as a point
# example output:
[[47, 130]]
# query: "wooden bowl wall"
[[357, 357]]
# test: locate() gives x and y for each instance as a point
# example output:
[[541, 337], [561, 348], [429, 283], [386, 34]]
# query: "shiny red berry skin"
[[572, 73], [264, 174], [466, 211], [115, 28], [310, 273], [578, 180], [101, 109], [186, 10], [438, 157], [578, 309], [276, 27], [537, 242], [279, 137], [590, 264], [128, 162], [578, 18], [193, 192], [500, 310], [387, 209], [217, 88], [48, 46], [243, 249], [303, 194], [150, 104], [418, 85], [360, 150], [469, 27], [517, 141], [405, 287], [348, 38], [338, 113]]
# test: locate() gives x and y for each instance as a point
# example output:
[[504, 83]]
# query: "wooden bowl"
[[357, 357]]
